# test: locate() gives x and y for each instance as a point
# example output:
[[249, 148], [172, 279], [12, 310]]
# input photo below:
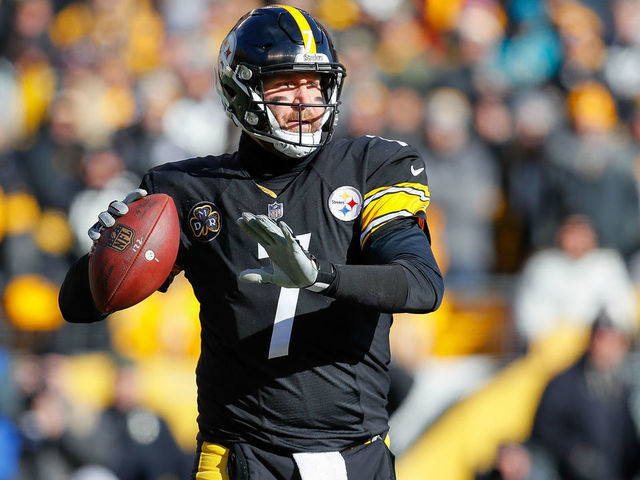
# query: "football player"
[[298, 249]]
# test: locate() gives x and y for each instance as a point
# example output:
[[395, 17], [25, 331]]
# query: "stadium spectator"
[[132, 441], [520, 461], [585, 420], [590, 173], [53, 160], [465, 180], [10, 440], [60, 437], [51, 447], [104, 176], [570, 283], [524, 160], [622, 67]]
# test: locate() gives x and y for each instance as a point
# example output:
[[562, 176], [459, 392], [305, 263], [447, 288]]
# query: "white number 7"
[[307, 35], [286, 309]]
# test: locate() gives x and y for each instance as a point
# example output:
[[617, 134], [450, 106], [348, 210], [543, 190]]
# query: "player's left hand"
[[117, 208], [291, 265]]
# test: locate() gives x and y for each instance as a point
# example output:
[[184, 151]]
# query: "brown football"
[[132, 259]]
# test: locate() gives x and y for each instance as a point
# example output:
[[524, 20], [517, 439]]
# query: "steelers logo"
[[228, 48], [345, 203], [205, 221]]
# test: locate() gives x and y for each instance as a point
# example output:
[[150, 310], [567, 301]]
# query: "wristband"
[[326, 275]]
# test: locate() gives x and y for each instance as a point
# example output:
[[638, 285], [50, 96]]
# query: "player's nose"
[[303, 94]]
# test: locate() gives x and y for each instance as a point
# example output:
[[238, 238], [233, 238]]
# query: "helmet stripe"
[[303, 25]]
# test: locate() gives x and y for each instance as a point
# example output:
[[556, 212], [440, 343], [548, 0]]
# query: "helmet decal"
[[229, 48], [305, 29]]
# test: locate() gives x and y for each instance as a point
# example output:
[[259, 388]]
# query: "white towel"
[[321, 466]]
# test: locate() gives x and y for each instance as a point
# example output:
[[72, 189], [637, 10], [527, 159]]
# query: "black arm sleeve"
[[74, 299], [401, 276]]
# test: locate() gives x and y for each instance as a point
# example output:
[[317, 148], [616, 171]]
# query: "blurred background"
[[527, 113]]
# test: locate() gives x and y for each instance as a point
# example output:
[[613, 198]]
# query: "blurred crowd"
[[527, 113]]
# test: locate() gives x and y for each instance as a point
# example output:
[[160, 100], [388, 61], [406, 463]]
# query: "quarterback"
[[298, 249]]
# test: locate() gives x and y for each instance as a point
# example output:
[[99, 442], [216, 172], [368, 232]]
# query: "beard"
[[310, 122]]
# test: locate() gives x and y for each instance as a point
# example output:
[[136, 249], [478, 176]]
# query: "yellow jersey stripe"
[[387, 203], [418, 189], [305, 29], [269, 192], [393, 200]]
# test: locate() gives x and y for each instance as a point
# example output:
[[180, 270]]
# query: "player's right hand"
[[116, 208], [291, 265]]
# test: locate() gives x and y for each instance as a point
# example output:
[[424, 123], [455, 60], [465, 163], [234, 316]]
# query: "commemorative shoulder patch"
[[205, 221]]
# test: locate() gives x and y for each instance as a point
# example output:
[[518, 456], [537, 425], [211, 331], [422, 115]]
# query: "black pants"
[[372, 461]]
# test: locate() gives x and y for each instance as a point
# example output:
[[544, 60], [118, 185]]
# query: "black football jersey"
[[286, 368]]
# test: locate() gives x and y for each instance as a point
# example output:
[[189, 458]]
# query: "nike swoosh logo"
[[416, 171]]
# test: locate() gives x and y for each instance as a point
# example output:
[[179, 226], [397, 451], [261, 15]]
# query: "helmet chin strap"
[[308, 139], [293, 151], [287, 149], [282, 148]]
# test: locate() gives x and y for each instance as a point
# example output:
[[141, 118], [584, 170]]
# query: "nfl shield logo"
[[275, 210]]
